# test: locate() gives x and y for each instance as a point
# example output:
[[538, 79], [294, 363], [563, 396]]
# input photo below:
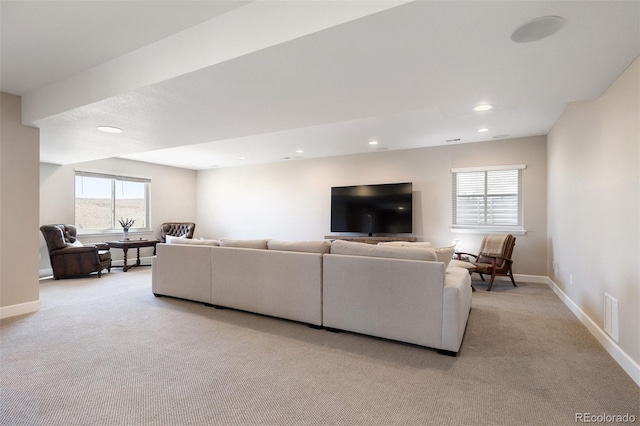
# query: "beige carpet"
[[107, 352]]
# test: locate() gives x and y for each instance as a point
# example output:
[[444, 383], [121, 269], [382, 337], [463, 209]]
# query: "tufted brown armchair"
[[176, 229], [69, 257]]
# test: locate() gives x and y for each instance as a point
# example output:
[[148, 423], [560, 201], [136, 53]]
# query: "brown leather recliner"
[[177, 229], [69, 257]]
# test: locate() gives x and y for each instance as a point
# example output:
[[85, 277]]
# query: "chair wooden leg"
[[512, 280], [493, 276]]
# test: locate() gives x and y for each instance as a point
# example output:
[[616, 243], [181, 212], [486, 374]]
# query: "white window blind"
[[490, 197]]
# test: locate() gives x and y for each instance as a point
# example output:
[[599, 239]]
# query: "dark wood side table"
[[125, 245]]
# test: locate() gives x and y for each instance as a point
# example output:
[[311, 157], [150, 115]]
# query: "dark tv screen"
[[372, 209]]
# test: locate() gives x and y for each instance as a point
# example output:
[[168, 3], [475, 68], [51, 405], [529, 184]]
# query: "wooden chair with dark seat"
[[176, 229], [494, 257], [69, 257]]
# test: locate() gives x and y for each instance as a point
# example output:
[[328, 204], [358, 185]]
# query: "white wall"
[[291, 200], [594, 205], [19, 154], [172, 197]]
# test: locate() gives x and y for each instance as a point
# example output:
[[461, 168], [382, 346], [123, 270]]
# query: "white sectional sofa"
[[400, 293]]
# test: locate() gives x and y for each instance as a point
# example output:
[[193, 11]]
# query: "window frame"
[[115, 226], [516, 229]]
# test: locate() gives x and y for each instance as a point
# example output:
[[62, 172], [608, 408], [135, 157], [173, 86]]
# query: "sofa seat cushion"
[[321, 246], [363, 249], [462, 264]]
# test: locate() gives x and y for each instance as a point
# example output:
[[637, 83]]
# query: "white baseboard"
[[44, 273], [631, 367], [535, 279], [19, 309]]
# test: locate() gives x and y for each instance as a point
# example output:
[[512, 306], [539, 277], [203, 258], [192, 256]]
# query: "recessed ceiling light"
[[537, 29], [484, 129], [373, 143], [242, 158], [109, 129], [485, 107], [299, 151]]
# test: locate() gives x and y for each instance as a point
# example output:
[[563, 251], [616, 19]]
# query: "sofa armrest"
[[455, 308], [182, 271]]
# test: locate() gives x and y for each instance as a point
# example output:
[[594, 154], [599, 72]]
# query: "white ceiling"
[[198, 84]]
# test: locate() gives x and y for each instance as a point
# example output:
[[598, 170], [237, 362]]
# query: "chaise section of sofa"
[[396, 293]]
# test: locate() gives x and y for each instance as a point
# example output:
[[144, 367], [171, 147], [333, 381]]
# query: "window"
[[488, 198], [102, 199]]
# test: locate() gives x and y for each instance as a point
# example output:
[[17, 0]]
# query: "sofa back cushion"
[[192, 242], [362, 249], [445, 254], [421, 244], [320, 246], [254, 244]]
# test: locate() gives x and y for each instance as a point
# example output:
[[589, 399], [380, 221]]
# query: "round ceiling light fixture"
[[483, 107], [109, 129], [537, 29]]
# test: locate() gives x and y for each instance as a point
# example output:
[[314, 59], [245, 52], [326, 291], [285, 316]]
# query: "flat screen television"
[[372, 209]]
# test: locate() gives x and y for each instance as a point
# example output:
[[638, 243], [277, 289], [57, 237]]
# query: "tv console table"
[[370, 240]]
